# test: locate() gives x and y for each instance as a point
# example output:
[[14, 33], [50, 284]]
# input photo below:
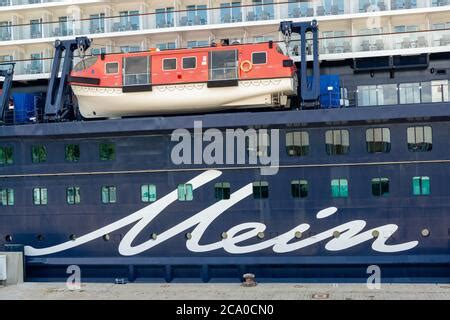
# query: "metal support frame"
[[55, 108], [8, 74], [309, 88]]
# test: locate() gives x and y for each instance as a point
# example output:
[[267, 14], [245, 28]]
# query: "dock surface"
[[172, 291]]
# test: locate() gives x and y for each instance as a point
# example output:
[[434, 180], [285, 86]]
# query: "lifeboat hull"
[[100, 102]]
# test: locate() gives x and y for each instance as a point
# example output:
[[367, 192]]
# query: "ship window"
[[222, 191], [136, 71], [112, 68], [378, 140], [6, 197], [299, 188], [72, 153], [169, 64], [380, 186], [39, 154], [185, 192], [297, 143], [261, 190], [223, 65], [85, 64], [109, 194], [6, 155], [73, 195], [190, 63], [258, 145], [339, 188], [337, 142], [107, 151], [40, 196], [420, 139], [259, 57], [148, 193], [421, 186]]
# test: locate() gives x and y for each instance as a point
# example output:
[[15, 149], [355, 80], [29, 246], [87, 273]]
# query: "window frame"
[[190, 57], [41, 190], [334, 150], [148, 187], [302, 146], [260, 64], [380, 181], [9, 196], [260, 184], [167, 70], [75, 190], [112, 73], [417, 147], [5, 158], [300, 183], [100, 151], [222, 186], [66, 149], [185, 187], [385, 143], [109, 187], [421, 179], [340, 185], [32, 153]]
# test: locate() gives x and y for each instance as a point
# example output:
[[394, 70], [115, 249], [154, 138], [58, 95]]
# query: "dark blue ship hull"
[[143, 149]]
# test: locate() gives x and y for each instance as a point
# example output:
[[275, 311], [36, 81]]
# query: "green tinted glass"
[[39, 154], [73, 153], [416, 186], [107, 152]]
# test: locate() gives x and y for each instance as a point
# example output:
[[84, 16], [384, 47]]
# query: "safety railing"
[[204, 16]]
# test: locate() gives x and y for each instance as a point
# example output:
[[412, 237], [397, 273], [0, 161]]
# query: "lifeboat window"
[[85, 64], [223, 65], [112, 68], [136, 71], [190, 63], [169, 64], [259, 57]]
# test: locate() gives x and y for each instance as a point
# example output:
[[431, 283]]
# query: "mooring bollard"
[[249, 280]]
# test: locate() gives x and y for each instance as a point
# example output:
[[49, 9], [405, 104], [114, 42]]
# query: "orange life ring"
[[246, 66]]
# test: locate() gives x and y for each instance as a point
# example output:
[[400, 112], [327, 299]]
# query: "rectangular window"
[[185, 192], [169, 64], [72, 153], [261, 190], [136, 71], [380, 187], [6, 197], [297, 143], [6, 155], [223, 65], [378, 140], [259, 57], [39, 154], [40, 196], [109, 194], [107, 151], [112, 68], [339, 188], [299, 188], [421, 186], [190, 63], [148, 193], [222, 191], [73, 195], [420, 139], [337, 142]]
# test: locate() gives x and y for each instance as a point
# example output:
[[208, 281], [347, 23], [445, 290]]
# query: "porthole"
[[154, 236], [8, 238], [425, 233], [336, 234], [261, 235], [188, 236], [375, 233], [40, 237], [224, 235], [298, 234], [106, 237], [73, 237]]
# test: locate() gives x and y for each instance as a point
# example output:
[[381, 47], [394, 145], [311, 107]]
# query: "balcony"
[[7, 3]]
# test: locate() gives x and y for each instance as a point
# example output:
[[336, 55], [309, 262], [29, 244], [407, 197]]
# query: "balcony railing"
[[200, 17], [6, 3]]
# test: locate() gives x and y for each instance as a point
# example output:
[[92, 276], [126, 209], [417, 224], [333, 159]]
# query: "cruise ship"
[[349, 99]]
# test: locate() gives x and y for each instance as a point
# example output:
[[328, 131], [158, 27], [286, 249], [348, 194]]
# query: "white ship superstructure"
[[348, 28]]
